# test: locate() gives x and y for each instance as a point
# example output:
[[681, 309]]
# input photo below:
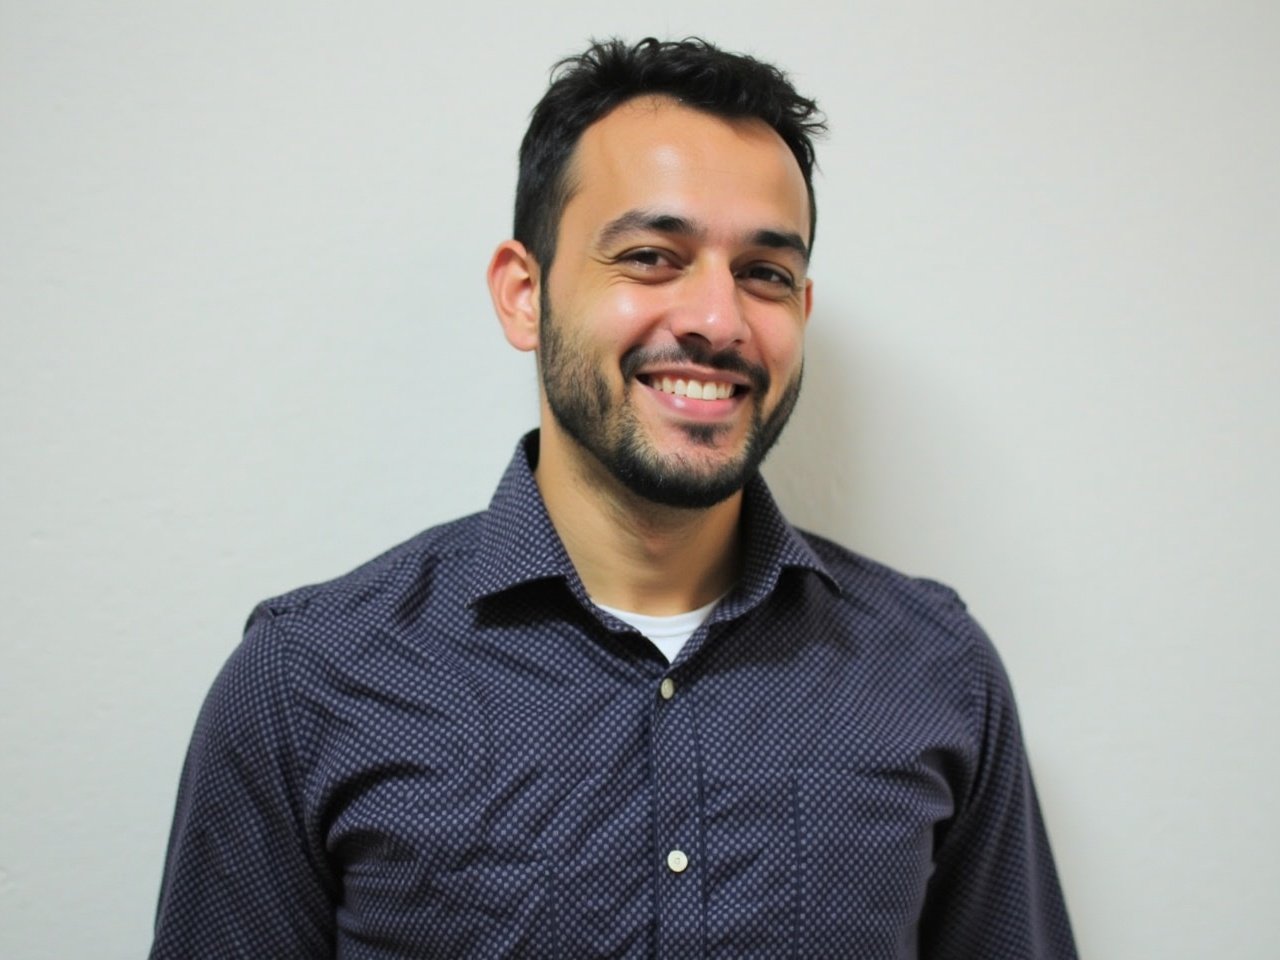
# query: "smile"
[[694, 389]]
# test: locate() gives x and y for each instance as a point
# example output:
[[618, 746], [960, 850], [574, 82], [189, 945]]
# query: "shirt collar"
[[519, 544], [772, 546]]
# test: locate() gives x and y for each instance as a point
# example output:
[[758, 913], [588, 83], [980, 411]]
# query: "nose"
[[710, 308]]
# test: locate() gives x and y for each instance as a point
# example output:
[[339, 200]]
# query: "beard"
[[582, 402]]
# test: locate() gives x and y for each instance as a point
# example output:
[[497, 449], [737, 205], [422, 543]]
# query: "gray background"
[[245, 343]]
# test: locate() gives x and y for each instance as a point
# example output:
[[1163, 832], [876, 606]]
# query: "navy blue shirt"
[[450, 752]]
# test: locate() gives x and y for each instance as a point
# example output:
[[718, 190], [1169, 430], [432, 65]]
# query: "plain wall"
[[245, 343]]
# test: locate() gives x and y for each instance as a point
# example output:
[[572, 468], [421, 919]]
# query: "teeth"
[[695, 389]]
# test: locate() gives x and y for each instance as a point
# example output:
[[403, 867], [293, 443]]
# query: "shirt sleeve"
[[241, 878], [995, 890]]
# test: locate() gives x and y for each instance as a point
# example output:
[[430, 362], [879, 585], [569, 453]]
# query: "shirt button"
[[677, 861], [668, 690]]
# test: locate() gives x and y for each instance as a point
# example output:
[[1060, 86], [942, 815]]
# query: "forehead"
[[654, 154]]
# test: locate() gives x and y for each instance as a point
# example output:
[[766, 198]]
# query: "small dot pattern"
[[451, 752]]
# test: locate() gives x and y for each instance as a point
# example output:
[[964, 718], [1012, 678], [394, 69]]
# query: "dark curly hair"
[[586, 87]]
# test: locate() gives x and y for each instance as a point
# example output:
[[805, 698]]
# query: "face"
[[672, 319]]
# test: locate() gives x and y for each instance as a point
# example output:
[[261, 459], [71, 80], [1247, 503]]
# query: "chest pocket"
[[820, 863], [866, 843], [490, 905], [422, 878]]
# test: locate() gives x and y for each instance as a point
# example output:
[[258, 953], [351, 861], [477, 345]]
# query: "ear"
[[808, 299], [514, 277]]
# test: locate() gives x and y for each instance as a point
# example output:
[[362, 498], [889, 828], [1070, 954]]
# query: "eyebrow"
[[641, 221], [782, 240]]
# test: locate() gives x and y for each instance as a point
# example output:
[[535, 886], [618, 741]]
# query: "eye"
[[647, 257], [648, 263], [767, 280]]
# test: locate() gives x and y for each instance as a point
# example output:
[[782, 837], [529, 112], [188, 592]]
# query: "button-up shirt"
[[451, 752]]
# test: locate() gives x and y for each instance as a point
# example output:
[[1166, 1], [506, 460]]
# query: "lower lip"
[[689, 408]]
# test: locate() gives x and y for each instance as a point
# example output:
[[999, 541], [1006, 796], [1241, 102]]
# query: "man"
[[628, 711]]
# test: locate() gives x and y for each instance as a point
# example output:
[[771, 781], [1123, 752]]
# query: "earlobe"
[[513, 285]]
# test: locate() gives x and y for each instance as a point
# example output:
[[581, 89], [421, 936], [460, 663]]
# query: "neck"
[[633, 554]]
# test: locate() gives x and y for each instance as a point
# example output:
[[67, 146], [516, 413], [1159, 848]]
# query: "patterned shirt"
[[451, 752]]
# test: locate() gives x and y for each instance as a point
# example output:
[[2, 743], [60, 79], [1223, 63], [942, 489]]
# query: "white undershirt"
[[668, 634]]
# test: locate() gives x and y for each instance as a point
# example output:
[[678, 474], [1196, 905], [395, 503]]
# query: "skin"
[[680, 254]]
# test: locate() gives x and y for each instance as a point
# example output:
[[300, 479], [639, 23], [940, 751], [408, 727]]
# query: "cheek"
[[620, 317], [783, 348], [628, 306]]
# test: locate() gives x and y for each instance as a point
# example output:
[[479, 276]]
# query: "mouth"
[[691, 388]]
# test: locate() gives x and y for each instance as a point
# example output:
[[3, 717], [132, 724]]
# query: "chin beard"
[[582, 404], [672, 480]]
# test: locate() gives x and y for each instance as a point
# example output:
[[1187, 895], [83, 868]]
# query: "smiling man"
[[627, 711], [669, 332]]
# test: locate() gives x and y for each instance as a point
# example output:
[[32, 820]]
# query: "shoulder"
[[389, 593], [305, 650], [918, 639], [868, 582], [911, 614]]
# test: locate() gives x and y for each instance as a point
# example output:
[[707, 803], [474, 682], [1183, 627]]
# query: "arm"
[[242, 877], [995, 891]]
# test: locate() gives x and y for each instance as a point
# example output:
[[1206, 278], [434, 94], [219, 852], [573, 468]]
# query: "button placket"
[[678, 830]]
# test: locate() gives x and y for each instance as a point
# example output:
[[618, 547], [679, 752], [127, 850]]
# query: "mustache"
[[695, 351]]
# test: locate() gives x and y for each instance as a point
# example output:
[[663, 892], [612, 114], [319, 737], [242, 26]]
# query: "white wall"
[[245, 343]]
